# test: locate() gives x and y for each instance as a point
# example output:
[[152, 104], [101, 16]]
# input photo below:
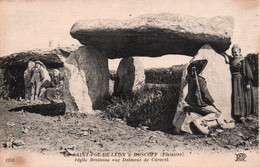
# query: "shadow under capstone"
[[52, 109]]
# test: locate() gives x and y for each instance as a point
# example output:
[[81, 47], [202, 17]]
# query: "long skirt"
[[238, 96], [251, 107]]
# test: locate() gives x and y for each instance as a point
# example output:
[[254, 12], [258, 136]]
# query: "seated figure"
[[200, 101], [56, 79], [54, 93]]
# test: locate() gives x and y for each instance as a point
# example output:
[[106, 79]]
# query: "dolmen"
[[154, 35]]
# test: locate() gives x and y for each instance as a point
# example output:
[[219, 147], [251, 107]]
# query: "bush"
[[164, 75], [253, 61], [153, 106]]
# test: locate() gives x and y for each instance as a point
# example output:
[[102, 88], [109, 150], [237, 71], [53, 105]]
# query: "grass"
[[153, 106]]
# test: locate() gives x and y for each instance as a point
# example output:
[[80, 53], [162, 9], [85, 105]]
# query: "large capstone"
[[94, 65], [21, 59], [130, 77], [218, 78], [154, 34]]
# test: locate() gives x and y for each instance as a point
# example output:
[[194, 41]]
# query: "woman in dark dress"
[[242, 94]]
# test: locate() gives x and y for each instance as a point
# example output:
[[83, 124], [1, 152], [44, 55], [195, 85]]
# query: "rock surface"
[[218, 78], [47, 56], [111, 87], [130, 76], [154, 34], [94, 66]]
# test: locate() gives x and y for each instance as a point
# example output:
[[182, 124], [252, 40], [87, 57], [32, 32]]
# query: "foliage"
[[153, 106], [252, 58], [164, 75]]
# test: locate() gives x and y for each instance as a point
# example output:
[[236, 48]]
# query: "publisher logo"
[[241, 157]]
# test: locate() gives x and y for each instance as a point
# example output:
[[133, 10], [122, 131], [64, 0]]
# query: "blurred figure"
[[56, 79], [27, 80], [55, 92], [46, 82]]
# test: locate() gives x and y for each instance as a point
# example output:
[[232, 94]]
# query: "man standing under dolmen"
[[37, 80]]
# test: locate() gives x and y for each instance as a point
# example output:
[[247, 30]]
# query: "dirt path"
[[54, 134]]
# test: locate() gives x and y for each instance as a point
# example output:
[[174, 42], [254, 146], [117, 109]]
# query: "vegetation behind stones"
[[252, 58], [164, 75], [155, 105]]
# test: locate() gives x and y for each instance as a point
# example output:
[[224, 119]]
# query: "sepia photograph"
[[129, 83]]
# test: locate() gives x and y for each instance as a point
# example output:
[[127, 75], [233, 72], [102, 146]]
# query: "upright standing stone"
[[94, 65], [75, 94], [218, 78], [130, 76]]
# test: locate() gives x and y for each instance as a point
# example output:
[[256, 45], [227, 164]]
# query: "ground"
[[47, 134]]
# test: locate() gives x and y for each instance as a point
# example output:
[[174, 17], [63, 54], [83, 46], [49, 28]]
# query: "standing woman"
[[242, 94]]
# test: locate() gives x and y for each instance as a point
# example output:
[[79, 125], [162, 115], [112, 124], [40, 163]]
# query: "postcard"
[[129, 83]]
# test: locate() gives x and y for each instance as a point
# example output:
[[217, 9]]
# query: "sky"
[[32, 24]]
